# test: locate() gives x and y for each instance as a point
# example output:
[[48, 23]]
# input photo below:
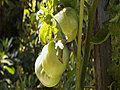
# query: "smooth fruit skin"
[[41, 74], [68, 21], [52, 66]]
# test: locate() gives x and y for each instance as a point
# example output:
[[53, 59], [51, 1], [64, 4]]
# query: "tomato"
[[47, 66], [42, 76], [52, 66], [68, 21]]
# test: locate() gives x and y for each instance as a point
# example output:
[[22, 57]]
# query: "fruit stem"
[[78, 61], [91, 15]]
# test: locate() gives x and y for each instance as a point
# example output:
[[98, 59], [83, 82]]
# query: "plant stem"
[[91, 14], [78, 61]]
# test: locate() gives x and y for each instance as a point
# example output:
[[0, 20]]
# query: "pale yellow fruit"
[[52, 66], [42, 76], [68, 21]]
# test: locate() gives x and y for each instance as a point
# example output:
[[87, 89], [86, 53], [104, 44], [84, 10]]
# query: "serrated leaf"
[[101, 36]]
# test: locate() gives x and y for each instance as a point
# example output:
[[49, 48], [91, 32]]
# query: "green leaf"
[[26, 13], [115, 29], [2, 3], [7, 61], [5, 42], [101, 36], [45, 33], [2, 54], [116, 18], [33, 5], [8, 81], [45, 11], [10, 70], [38, 5]]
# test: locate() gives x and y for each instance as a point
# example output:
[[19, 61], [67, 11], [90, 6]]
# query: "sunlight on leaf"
[[26, 13], [7, 61], [46, 33], [33, 5], [2, 55], [5, 42], [10, 70]]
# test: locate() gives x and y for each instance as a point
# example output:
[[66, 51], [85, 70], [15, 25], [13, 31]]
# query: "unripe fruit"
[[47, 66], [42, 76], [52, 66], [68, 21]]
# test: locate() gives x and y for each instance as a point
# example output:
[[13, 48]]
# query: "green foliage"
[[4, 58], [101, 36], [7, 62], [114, 27], [17, 54], [114, 70], [10, 70], [46, 32]]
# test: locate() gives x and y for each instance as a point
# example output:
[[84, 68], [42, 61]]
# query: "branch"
[[91, 15], [78, 61]]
